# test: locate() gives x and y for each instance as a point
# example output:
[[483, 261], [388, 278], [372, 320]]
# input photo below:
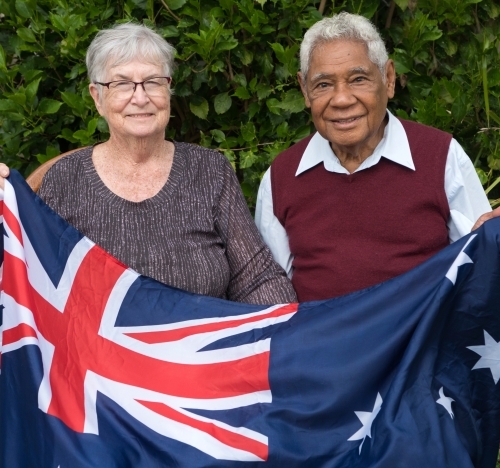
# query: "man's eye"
[[359, 79]]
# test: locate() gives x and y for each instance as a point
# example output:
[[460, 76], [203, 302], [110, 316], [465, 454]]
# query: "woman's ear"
[[96, 96]]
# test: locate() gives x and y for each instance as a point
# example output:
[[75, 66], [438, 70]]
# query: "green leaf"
[[274, 106], [26, 34], [91, 126], [293, 101], [82, 136], [30, 75], [248, 131], [169, 31], [403, 4], [8, 105], [242, 93], [175, 4], [14, 116], [222, 103], [263, 91], [102, 125], [49, 106], [483, 177], [74, 101], [226, 45], [58, 22], [18, 98], [23, 9], [2, 58], [282, 130], [107, 13], [218, 135], [247, 159], [200, 108], [32, 89]]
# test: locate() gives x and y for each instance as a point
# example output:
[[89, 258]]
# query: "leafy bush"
[[235, 85]]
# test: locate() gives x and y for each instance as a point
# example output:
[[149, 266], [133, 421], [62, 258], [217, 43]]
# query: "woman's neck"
[[135, 151], [135, 172]]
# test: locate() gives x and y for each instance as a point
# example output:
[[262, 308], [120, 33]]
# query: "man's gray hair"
[[344, 26], [123, 43]]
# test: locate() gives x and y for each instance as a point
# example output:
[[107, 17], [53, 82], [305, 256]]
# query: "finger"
[[478, 223], [485, 217], [4, 170]]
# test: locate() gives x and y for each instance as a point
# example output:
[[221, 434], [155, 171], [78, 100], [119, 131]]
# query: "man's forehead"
[[340, 53]]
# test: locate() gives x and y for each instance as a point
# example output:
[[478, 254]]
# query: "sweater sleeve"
[[254, 276]]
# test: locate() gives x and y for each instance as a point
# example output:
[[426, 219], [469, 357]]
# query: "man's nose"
[[342, 95]]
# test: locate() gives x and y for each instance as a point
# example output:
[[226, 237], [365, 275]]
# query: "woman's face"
[[137, 114]]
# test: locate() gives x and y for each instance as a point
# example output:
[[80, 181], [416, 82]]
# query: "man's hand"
[[486, 217], [4, 172]]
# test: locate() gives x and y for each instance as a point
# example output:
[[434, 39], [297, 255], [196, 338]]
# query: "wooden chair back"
[[35, 178]]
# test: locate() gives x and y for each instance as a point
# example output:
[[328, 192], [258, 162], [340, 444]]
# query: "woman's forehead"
[[133, 67]]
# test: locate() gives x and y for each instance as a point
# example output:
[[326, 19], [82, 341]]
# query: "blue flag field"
[[102, 367]]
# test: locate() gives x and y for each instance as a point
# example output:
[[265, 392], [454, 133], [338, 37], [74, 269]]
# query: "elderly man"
[[368, 196]]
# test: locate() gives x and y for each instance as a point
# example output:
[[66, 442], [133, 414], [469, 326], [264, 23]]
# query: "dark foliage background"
[[235, 85]]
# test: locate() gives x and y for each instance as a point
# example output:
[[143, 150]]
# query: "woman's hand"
[[4, 172], [483, 218]]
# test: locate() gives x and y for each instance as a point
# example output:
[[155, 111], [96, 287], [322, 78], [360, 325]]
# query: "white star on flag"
[[462, 259], [490, 356], [367, 419], [445, 402]]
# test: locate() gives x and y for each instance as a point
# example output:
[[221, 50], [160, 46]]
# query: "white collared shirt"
[[466, 197]]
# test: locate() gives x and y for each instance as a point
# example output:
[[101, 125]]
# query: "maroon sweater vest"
[[351, 231]]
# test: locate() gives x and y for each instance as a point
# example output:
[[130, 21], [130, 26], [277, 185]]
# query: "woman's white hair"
[[344, 26], [123, 43]]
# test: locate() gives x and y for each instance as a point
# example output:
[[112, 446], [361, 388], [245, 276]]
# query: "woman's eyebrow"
[[128, 78]]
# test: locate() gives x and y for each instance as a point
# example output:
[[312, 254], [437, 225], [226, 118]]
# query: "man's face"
[[347, 96]]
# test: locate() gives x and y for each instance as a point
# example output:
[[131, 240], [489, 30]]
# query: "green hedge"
[[235, 85]]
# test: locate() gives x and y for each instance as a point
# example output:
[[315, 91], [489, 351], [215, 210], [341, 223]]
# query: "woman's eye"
[[122, 84]]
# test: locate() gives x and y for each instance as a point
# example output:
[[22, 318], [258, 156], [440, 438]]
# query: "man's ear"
[[390, 78], [303, 87], [94, 92]]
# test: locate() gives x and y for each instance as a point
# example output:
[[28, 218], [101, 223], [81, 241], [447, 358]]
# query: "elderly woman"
[[172, 211]]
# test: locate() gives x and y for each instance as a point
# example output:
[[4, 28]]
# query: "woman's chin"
[[138, 131]]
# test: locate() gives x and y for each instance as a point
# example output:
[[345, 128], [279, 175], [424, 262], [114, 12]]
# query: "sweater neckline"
[[162, 197]]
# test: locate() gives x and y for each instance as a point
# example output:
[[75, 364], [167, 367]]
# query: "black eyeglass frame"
[[168, 78]]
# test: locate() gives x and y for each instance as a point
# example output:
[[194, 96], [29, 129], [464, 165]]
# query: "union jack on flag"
[[103, 367]]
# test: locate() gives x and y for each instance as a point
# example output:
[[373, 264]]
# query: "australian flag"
[[102, 367]]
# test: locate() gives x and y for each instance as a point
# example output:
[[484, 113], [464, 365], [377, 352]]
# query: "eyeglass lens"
[[153, 87]]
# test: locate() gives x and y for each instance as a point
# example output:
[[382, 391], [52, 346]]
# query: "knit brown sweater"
[[195, 234]]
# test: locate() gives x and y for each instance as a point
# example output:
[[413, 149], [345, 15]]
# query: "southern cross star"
[[462, 259], [445, 402], [490, 356], [367, 419]]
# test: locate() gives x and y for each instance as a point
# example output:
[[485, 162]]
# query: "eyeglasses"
[[124, 89]]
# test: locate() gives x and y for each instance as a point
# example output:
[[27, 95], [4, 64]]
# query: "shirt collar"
[[393, 146]]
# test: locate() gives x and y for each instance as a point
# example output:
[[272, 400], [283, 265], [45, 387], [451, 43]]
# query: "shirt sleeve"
[[254, 276], [464, 191], [270, 228]]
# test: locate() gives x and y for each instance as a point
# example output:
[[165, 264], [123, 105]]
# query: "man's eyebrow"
[[329, 76], [361, 70], [321, 76]]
